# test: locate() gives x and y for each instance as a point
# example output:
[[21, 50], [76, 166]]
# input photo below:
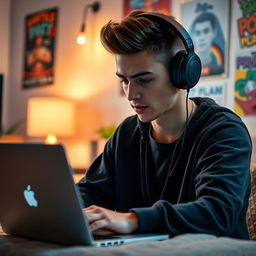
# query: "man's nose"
[[133, 92], [201, 38]]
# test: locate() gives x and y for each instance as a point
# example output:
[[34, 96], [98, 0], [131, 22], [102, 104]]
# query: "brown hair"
[[134, 34]]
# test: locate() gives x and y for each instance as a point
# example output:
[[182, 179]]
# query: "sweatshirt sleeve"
[[222, 183]]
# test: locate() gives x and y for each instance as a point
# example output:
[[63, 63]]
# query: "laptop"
[[40, 201]]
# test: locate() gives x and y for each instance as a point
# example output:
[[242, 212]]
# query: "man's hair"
[[206, 16], [134, 34]]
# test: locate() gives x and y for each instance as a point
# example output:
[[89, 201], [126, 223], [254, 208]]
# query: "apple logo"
[[30, 197]]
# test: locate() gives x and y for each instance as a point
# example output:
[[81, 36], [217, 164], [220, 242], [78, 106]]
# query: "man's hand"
[[104, 219]]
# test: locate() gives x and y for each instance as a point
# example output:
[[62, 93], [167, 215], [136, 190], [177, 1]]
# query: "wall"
[[85, 74], [4, 52]]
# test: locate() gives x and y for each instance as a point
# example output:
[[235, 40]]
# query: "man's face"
[[146, 85], [203, 36]]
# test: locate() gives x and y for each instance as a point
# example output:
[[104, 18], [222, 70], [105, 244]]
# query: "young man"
[[179, 165]]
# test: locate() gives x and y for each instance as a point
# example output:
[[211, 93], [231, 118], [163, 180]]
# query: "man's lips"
[[139, 108], [201, 45]]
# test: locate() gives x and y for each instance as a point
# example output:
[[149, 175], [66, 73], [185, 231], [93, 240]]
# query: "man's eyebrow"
[[135, 75]]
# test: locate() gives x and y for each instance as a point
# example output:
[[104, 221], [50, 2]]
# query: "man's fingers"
[[101, 218], [99, 224], [94, 217], [93, 209]]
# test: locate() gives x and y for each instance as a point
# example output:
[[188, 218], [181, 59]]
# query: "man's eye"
[[124, 81], [144, 81], [206, 31]]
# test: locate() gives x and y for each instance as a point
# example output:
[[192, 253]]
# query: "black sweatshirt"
[[207, 190]]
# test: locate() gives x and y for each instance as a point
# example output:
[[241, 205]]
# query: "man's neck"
[[170, 126]]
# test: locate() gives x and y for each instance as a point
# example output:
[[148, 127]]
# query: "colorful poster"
[[245, 84], [207, 23], [162, 6], [215, 91], [40, 29], [246, 23]]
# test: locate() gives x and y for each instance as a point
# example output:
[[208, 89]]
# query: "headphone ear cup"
[[185, 70]]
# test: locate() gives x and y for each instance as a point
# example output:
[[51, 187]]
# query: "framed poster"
[[208, 24], [163, 6], [245, 84], [245, 60], [215, 91], [245, 18], [40, 36]]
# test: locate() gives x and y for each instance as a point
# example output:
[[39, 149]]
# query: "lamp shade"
[[49, 115]]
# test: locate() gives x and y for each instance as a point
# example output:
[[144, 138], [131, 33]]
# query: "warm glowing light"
[[50, 116], [81, 39], [79, 155], [51, 139]]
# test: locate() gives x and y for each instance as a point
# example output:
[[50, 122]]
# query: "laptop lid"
[[39, 200], [37, 195]]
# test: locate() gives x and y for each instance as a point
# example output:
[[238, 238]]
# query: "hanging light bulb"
[[81, 38]]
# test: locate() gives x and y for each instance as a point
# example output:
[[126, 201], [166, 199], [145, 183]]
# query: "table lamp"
[[50, 117]]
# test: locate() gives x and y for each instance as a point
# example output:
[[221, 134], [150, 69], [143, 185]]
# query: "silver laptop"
[[39, 200]]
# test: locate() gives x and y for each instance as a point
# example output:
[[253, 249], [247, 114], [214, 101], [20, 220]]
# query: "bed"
[[187, 244]]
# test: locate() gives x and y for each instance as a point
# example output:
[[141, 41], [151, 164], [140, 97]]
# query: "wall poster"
[[40, 36], [215, 91], [246, 23], [163, 6], [245, 84], [245, 69], [208, 24]]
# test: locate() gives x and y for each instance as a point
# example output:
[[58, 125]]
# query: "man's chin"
[[144, 119]]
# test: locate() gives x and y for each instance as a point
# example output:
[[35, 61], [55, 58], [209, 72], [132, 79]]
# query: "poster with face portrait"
[[245, 84], [40, 35], [163, 6], [207, 23], [215, 91]]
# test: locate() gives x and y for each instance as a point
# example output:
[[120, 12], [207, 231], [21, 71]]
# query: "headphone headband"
[[175, 26]]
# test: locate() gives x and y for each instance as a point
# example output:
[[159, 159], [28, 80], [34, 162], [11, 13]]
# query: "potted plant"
[[104, 132]]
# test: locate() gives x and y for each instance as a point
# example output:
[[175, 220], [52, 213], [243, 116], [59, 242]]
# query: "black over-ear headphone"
[[185, 67]]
